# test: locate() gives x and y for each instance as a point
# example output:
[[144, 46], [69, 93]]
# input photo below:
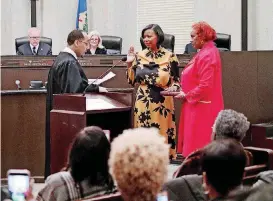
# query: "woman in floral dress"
[[153, 70]]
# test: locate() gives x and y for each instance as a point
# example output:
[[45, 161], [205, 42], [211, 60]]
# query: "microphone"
[[17, 82], [123, 59]]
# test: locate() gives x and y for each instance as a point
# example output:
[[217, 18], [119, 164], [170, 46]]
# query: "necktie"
[[34, 50]]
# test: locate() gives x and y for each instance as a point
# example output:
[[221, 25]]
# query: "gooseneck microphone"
[[123, 59]]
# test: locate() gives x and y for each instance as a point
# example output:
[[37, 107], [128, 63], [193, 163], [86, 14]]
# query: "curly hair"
[[204, 31], [230, 124], [139, 163]]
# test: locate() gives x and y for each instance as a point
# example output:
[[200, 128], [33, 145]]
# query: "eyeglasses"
[[86, 43], [34, 37]]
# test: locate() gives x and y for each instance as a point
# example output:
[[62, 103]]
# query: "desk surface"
[[86, 61]]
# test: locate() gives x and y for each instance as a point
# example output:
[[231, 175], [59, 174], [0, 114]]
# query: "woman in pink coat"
[[201, 84]]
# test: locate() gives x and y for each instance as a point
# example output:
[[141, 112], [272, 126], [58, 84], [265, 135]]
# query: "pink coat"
[[201, 80]]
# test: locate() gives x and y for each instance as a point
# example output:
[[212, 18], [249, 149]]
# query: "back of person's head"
[[223, 166], [88, 157], [139, 163], [230, 124]]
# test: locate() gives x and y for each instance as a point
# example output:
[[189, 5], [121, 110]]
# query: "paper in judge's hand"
[[108, 76], [102, 89]]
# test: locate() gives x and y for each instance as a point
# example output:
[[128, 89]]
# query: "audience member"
[[34, 47], [223, 168], [261, 193], [265, 177], [139, 163], [95, 42], [201, 83], [223, 165], [228, 124], [188, 188], [66, 76], [87, 174], [154, 69]]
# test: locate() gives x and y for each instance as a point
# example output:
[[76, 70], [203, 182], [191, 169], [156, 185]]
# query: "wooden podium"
[[72, 112]]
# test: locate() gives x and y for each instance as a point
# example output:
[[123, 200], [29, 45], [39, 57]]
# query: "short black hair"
[[88, 157], [74, 35], [224, 162], [158, 31]]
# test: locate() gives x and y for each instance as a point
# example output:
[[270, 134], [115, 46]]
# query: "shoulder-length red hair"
[[204, 31]]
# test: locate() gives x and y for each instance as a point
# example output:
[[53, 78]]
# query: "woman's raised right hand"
[[131, 55]]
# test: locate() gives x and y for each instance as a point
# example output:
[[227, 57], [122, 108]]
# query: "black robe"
[[98, 51], [65, 76]]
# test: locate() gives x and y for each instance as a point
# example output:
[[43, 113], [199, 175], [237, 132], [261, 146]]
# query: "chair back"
[[168, 43], [262, 161], [192, 163], [223, 41], [113, 44], [111, 197], [22, 40]]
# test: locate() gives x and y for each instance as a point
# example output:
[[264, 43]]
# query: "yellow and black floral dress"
[[154, 72]]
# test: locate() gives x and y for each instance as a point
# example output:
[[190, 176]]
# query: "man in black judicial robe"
[[66, 76]]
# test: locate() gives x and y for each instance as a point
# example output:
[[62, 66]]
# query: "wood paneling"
[[247, 88]]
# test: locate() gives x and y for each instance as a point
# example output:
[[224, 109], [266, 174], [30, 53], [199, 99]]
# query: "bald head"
[[34, 31], [34, 35]]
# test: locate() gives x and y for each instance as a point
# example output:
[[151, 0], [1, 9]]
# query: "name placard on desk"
[[16, 61], [35, 63]]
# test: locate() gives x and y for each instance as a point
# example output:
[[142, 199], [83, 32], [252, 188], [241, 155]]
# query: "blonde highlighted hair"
[[96, 33], [139, 161]]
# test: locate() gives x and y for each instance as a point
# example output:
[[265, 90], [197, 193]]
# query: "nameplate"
[[36, 63]]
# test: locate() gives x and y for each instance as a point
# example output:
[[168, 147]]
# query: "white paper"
[[92, 80], [108, 76], [102, 89], [94, 103]]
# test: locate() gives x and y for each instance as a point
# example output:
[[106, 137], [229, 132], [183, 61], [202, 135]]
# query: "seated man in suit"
[[189, 48], [34, 47]]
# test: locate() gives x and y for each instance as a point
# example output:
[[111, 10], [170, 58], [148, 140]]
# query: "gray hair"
[[230, 124]]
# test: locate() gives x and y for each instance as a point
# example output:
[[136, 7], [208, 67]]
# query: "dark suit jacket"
[[189, 48], [186, 188], [98, 51], [43, 50]]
